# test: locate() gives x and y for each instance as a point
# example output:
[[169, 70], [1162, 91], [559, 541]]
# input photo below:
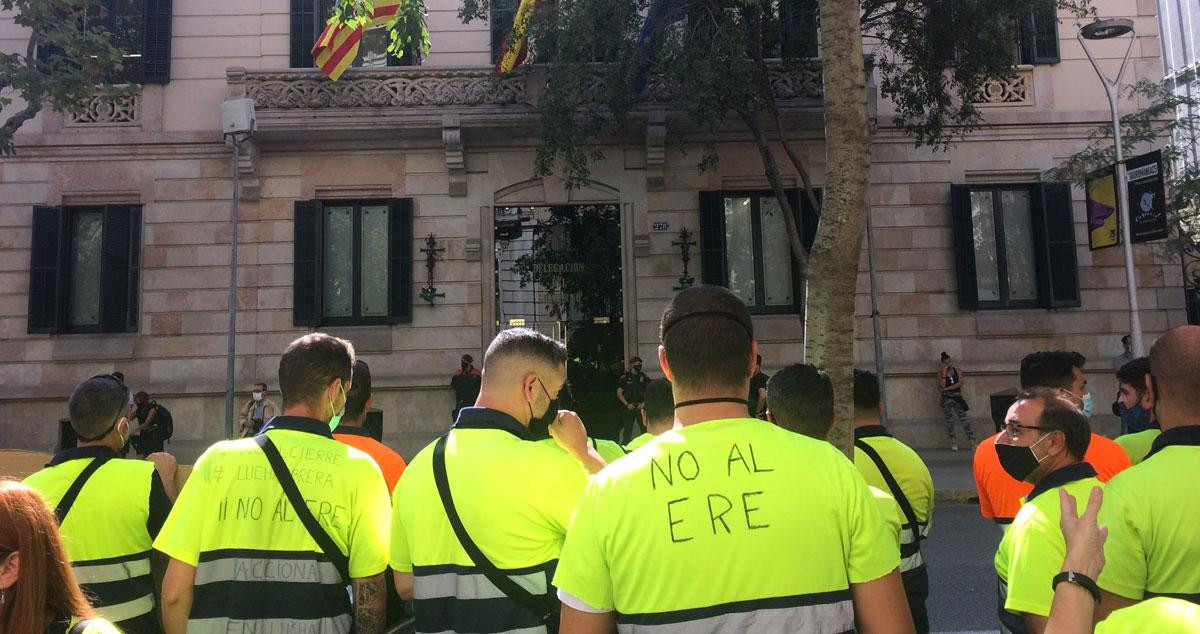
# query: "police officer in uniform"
[[631, 393], [465, 383], [1151, 509], [726, 523], [109, 509]]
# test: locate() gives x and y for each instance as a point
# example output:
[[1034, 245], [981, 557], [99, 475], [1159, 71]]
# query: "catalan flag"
[[337, 45], [516, 45]]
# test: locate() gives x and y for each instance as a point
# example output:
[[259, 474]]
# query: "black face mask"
[[465, 365], [540, 425], [1016, 461]]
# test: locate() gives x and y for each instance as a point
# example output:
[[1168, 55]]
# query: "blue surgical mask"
[[1088, 405], [1135, 419]]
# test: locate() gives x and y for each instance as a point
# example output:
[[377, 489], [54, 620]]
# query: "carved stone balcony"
[[408, 98], [1007, 91]]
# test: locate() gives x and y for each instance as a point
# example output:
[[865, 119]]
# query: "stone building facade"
[[134, 272]]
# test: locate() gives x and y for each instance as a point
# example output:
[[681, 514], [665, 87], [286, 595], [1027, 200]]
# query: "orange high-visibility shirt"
[[390, 463], [1000, 496]]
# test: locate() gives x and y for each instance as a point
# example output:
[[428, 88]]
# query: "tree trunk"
[[829, 327]]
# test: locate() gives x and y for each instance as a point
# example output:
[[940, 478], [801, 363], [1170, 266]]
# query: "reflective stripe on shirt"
[[821, 612], [451, 598]]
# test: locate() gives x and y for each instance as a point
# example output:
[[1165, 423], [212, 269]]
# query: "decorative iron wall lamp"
[[429, 291], [685, 244]]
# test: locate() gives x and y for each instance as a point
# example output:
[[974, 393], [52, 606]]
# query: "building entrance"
[[558, 270]]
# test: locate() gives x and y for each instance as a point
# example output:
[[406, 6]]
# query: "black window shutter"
[[1037, 35], [712, 239], [400, 259], [115, 269], [810, 218], [964, 246], [304, 32], [135, 267], [306, 261], [1054, 233], [156, 49], [45, 270]]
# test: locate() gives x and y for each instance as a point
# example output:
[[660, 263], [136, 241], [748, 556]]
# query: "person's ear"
[[529, 387], [1148, 396], [881, 410], [753, 358], [370, 402], [666, 367], [771, 417], [10, 570]]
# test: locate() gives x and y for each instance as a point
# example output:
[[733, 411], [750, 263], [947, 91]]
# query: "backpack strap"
[[288, 483], [68, 499], [544, 608], [910, 517], [81, 625]]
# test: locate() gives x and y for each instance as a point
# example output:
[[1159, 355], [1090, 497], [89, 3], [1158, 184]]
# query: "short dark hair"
[[360, 390], [1050, 368], [264, 385], [660, 401], [635, 358], [1061, 415], [1126, 339], [310, 364], [866, 391], [800, 398], [707, 335], [95, 405], [523, 342], [468, 358], [1134, 373]]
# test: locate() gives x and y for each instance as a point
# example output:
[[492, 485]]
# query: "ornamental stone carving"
[[108, 110], [440, 87], [1010, 91]]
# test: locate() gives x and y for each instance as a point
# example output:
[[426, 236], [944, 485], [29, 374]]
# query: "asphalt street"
[[962, 579]]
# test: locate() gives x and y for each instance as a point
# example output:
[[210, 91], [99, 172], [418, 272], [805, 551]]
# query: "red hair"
[[45, 588]]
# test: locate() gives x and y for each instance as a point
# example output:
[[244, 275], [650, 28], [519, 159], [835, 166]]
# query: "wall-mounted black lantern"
[[685, 244], [429, 291]]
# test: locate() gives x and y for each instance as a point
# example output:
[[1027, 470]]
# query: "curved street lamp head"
[[1106, 29]]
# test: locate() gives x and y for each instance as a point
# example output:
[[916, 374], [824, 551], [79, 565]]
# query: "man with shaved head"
[[726, 522], [1151, 509], [480, 515]]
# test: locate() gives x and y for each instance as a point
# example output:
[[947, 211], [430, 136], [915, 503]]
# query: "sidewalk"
[[953, 479]]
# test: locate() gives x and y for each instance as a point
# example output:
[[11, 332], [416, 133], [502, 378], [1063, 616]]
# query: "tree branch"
[[799, 256]]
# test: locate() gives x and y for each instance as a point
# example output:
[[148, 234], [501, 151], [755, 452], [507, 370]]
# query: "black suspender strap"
[[545, 608], [909, 516], [68, 499], [81, 625], [288, 483]]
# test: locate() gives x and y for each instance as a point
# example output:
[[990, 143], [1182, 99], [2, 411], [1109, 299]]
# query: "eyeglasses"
[[1013, 429]]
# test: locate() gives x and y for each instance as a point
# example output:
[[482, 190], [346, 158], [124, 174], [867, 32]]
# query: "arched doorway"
[[559, 269]]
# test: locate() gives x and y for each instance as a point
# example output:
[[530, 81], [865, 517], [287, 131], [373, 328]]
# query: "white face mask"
[[257, 395]]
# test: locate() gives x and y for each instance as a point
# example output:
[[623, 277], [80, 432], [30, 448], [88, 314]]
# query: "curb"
[[956, 496]]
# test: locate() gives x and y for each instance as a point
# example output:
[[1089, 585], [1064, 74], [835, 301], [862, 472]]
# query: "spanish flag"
[[337, 45], [516, 45]]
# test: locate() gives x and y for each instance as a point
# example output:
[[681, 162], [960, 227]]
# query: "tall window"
[[1015, 246], [309, 17], [85, 265], [744, 247], [1037, 35], [353, 262], [141, 30]]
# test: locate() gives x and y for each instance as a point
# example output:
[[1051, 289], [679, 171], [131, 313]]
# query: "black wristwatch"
[[1080, 580]]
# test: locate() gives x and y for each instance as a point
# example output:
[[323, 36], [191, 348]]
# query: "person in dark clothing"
[[465, 383], [756, 401], [631, 392], [151, 431]]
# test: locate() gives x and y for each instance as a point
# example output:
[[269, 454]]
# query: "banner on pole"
[[1147, 202]]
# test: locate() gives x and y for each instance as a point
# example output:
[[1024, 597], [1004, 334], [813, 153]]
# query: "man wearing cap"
[[109, 509]]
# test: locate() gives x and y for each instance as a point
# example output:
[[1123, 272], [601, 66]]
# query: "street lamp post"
[[237, 125], [1107, 30]]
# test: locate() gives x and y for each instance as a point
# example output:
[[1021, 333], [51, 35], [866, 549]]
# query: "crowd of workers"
[[516, 521]]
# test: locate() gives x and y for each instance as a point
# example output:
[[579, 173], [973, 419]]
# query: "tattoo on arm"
[[370, 605]]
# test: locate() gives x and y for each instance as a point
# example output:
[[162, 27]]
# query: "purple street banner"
[[1147, 197], [1102, 210], [1147, 202]]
